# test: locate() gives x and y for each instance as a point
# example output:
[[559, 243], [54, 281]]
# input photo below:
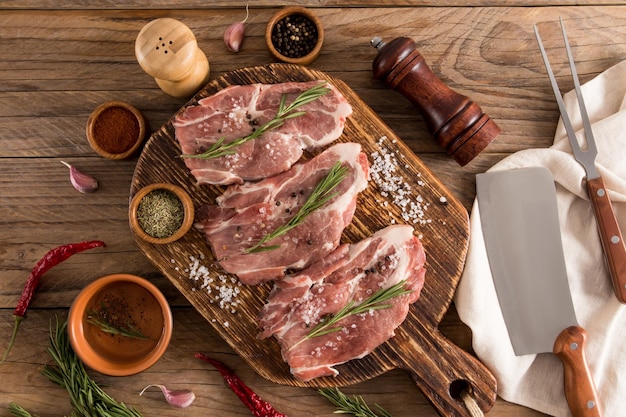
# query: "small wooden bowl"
[[184, 198], [291, 11], [136, 300], [126, 119]]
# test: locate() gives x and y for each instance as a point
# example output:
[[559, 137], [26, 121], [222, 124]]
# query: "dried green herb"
[[284, 113], [354, 405], [160, 213], [94, 318], [318, 198]]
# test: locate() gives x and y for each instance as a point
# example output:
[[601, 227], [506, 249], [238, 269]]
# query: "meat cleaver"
[[520, 223]]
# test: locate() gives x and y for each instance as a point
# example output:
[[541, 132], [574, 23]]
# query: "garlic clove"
[[234, 35], [177, 398], [81, 182]]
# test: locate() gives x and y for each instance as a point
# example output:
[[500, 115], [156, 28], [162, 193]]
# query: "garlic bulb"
[[81, 182], [177, 398], [234, 35]]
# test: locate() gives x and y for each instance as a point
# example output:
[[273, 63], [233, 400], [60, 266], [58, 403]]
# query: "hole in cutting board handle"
[[457, 387]]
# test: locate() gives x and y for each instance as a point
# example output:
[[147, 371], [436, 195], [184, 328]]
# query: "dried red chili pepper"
[[53, 257], [258, 406]]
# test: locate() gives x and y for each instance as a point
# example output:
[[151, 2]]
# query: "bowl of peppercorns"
[[294, 35]]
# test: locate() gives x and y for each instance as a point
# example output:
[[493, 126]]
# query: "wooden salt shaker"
[[168, 50], [457, 123]]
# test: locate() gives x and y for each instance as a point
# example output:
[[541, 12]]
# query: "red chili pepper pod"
[[258, 406], [53, 257]]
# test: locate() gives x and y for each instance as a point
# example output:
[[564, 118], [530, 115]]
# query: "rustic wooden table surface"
[[62, 59]]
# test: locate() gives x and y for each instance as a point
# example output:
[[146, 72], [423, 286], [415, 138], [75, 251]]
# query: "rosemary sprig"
[[107, 327], [17, 411], [284, 113], [318, 198], [354, 405], [86, 396], [375, 302]]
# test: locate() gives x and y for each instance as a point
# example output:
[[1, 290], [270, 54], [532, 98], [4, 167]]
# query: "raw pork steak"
[[351, 273], [236, 111], [247, 212]]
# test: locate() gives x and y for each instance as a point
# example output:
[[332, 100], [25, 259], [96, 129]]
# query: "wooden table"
[[59, 61]]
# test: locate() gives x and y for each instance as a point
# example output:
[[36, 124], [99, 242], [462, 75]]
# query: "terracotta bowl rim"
[[92, 121], [291, 10], [184, 198], [88, 355]]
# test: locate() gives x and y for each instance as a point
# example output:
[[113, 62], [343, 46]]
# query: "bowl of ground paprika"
[[115, 130], [294, 35]]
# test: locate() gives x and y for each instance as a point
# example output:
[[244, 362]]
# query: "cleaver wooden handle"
[[610, 236], [580, 390]]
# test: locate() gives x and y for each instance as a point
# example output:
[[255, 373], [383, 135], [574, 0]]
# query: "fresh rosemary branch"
[[107, 327], [86, 397], [354, 405], [18, 411], [375, 302], [284, 113], [318, 198]]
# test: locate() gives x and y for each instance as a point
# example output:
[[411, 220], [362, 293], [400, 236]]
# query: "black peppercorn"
[[294, 36]]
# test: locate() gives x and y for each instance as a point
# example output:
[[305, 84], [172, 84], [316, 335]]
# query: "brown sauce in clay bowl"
[[120, 325]]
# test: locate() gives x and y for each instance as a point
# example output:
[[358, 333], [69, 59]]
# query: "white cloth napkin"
[[536, 381]]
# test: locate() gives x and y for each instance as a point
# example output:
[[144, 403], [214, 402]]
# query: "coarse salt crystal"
[[384, 172]]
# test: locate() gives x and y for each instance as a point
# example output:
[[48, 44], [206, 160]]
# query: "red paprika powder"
[[116, 130]]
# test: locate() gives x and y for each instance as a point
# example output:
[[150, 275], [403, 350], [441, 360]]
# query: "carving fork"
[[608, 228]]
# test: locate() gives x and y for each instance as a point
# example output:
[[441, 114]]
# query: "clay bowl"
[[116, 130], [183, 197], [135, 304], [298, 13]]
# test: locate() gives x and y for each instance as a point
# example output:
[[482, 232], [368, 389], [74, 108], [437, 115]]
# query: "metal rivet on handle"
[[600, 192], [590, 404], [573, 346], [615, 239]]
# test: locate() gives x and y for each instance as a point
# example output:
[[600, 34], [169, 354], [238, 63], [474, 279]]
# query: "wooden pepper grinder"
[[458, 124], [168, 50]]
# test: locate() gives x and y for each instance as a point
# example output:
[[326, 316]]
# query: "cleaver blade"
[[520, 224]]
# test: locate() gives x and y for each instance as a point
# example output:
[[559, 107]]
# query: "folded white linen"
[[536, 381]]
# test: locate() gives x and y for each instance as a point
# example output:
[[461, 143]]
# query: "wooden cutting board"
[[438, 367]]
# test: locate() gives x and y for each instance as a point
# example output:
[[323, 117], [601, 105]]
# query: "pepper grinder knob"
[[168, 50], [457, 124]]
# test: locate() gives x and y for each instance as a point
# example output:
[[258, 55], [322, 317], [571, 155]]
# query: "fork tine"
[[591, 143], [559, 99]]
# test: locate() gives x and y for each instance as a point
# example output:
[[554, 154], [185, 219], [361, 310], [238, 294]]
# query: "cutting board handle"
[[442, 370], [580, 390]]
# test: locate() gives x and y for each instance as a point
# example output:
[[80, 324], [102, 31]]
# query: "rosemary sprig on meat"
[[354, 405], [284, 113], [318, 198], [376, 301]]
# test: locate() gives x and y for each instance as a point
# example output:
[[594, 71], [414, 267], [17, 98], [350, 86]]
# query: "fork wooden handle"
[[610, 236]]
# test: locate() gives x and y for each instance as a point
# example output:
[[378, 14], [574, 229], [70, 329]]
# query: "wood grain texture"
[[418, 347], [60, 59]]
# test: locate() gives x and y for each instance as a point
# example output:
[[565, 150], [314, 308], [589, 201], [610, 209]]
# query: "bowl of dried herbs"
[[161, 213]]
